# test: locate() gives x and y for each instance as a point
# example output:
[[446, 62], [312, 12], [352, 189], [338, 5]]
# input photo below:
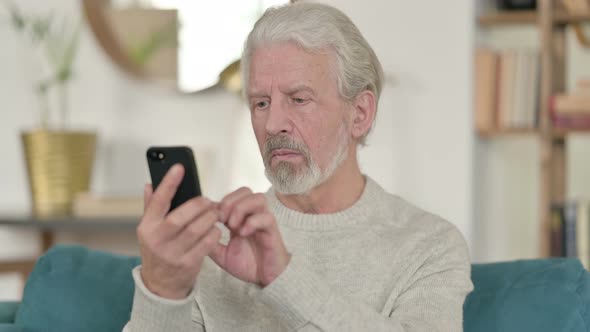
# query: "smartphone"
[[160, 159]]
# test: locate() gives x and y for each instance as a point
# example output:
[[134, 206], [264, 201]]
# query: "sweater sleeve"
[[432, 300], [151, 313]]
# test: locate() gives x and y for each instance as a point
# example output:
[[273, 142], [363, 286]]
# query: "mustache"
[[284, 142]]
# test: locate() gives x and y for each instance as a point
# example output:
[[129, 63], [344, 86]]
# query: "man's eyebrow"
[[289, 91], [299, 88], [255, 94]]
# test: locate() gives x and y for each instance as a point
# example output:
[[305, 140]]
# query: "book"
[[583, 86], [486, 76], [570, 230], [527, 89], [517, 111], [570, 121], [557, 236], [570, 111], [570, 212], [507, 89], [571, 103], [583, 232], [576, 6], [534, 91]]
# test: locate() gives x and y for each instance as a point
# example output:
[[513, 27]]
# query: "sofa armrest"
[[10, 328], [8, 312]]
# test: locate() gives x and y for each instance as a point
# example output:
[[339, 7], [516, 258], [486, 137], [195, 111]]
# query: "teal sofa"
[[74, 289]]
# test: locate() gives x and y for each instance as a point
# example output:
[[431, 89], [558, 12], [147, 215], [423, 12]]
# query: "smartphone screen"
[[161, 159]]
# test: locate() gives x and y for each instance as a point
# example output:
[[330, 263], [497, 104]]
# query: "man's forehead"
[[286, 71]]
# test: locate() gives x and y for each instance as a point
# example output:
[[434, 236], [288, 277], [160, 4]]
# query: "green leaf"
[[165, 37], [17, 19], [54, 49], [69, 54], [40, 28]]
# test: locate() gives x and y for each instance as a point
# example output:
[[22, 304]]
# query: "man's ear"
[[364, 110]]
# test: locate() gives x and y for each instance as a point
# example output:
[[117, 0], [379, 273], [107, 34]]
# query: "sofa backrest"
[[539, 295], [72, 288]]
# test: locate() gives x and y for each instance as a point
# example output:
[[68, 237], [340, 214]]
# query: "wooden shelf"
[[71, 224], [530, 17], [21, 266], [504, 18], [564, 18], [558, 133], [507, 132], [562, 132]]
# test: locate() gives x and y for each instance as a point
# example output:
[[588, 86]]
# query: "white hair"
[[315, 28]]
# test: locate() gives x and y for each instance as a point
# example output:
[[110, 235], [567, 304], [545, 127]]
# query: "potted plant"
[[59, 160]]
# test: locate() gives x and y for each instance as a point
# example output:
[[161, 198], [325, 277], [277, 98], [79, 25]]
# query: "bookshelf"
[[557, 133], [507, 132], [560, 17], [551, 23]]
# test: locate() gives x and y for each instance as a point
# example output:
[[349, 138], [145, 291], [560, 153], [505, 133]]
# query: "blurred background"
[[483, 118]]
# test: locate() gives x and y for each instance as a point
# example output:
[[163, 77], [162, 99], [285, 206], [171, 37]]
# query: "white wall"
[[421, 148]]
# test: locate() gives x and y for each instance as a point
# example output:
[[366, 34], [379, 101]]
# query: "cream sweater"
[[380, 265]]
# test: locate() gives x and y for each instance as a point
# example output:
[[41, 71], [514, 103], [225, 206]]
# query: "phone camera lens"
[[160, 156]]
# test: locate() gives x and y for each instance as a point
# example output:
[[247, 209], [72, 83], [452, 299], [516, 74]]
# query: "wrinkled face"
[[300, 121]]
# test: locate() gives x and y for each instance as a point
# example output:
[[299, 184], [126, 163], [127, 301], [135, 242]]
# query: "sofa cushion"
[[529, 295], [10, 328], [76, 289]]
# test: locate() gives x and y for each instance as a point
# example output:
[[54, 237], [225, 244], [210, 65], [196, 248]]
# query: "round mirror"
[[189, 44]]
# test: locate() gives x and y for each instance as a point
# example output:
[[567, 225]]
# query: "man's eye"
[[261, 104], [299, 100]]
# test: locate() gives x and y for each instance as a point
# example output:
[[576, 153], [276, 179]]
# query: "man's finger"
[[161, 198], [147, 195], [227, 203], [189, 210], [179, 218], [195, 230], [218, 255], [205, 246], [244, 207], [257, 223]]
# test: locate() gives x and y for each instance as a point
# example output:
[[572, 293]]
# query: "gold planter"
[[59, 165]]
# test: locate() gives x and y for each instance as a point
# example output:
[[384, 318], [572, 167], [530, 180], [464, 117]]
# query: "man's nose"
[[278, 121]]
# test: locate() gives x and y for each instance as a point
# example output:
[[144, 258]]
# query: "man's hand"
[[256, 252], [173, 245]]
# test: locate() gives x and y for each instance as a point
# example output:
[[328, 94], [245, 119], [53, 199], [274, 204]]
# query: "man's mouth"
[[284, 154]]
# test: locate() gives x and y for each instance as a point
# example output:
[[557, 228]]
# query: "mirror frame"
[[96, 17], [94, 11]]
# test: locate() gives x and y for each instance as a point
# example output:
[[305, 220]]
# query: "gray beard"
[[287, 180]]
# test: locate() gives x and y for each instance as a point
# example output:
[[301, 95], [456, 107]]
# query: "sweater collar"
[[365, 206]]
